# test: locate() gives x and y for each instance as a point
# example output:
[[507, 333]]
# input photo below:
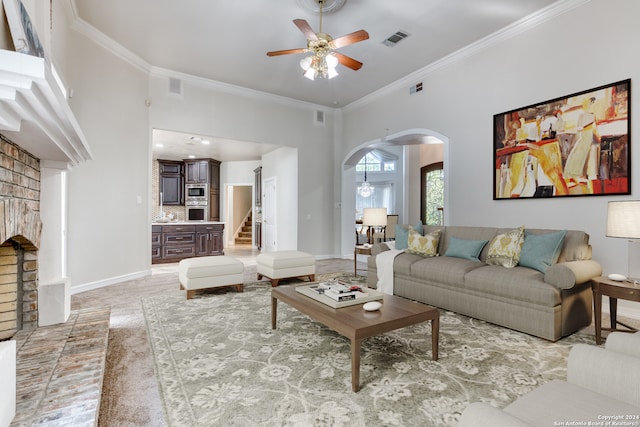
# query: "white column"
[[54, 288]]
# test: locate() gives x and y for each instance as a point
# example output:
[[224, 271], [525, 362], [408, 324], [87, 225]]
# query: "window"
[[382, 197], [432, 194], [376, 161]]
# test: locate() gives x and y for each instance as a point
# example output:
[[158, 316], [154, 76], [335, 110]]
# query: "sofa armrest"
[[565, 275], [481, 415], [605, 372], [376, 248], [625, 343]]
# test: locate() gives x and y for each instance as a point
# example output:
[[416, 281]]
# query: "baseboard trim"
[[108, 282], [625, 309]]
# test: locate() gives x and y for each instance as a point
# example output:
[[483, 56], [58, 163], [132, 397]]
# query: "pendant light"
[[366, 189]]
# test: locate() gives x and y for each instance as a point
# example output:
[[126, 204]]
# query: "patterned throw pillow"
[[402, 234], [505, 248], [426, 245]]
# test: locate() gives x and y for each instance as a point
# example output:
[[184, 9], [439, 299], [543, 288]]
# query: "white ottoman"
[[210, 272], [285, 264]]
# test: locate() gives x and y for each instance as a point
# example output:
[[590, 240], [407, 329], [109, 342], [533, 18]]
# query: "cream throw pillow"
[[505, 248], [426, 245]]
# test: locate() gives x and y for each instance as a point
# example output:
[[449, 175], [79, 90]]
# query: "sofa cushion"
[[402, 234], [469, 233], [402, 263], [505, 248], [426, 245], [465, 248], [539, 251], [444, 270], [518, 284]]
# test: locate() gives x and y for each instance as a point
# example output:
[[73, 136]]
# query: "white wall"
[[283, 164], [584, 48], [108, 229]]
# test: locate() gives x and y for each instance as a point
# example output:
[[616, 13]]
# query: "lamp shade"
[[375, 217], [623, 219]]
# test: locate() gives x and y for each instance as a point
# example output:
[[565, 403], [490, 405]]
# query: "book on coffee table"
[[314, 291]]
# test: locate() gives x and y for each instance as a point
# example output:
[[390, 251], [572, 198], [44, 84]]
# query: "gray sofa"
[[601, 389], [549, 305]]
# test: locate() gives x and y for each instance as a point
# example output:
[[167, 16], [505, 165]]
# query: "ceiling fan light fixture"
[[332, 61], [305, 63], [331, 73], [310, 73]]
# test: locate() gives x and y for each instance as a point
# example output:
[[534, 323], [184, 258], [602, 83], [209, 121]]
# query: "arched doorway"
[[417, 148]]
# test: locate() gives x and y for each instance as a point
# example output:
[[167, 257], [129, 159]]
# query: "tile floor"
[[60, 368]]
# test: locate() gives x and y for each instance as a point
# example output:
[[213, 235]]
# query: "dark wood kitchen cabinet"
[[257, 186], [214, 190], [206, 171], [171, 182], [197, 171], [171, 243], [209, 239]]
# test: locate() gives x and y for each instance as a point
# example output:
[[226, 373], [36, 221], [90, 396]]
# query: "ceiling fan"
[[323, 59]]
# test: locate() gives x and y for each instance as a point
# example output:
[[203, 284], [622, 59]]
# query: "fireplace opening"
[[18, 289]]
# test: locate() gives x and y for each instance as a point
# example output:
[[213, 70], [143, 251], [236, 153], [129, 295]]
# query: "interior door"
[[269, 226]]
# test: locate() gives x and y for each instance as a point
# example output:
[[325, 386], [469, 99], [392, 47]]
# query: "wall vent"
[[318, 117], [415, 88], [175, 86], [395, 38]]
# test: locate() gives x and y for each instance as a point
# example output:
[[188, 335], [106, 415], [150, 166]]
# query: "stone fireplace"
[[20, 233]]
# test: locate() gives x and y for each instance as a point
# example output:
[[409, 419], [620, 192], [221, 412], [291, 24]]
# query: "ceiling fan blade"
[[347, 61], [306, 29], [286, 51], [354, 37]]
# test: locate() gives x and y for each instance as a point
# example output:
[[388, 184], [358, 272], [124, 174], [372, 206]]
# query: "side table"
[[362, 250], [614, 290]]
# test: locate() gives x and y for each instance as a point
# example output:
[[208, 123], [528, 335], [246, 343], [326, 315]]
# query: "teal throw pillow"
[[465, 249], [540, 251], [402, 234]]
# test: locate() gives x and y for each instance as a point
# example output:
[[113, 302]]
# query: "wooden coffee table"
[[356, 324]]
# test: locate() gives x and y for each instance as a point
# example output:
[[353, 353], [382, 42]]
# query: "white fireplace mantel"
[[34, 112]]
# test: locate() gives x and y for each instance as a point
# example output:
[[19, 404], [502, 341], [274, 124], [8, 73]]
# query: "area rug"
[[218, 362]]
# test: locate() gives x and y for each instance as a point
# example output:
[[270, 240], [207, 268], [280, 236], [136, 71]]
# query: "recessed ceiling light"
[[205, 142], [159, 145], [191, 156]]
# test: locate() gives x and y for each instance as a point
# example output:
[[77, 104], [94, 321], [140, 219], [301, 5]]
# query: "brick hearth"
[[60, 370]]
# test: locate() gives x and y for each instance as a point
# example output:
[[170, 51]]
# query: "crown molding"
[[519, 27]]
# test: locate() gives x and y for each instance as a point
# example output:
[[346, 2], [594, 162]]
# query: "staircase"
[[245, 235]]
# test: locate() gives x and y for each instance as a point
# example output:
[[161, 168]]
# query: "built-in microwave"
[[197, 192]]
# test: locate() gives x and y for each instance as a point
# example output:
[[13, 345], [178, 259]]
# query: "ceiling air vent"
[[318, 117], [415, 88], [175, 86], [395, 38]]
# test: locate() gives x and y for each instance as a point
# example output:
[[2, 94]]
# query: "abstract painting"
[[575, 145]]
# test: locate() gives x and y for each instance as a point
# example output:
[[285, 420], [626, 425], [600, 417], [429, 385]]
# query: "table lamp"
[[374, 217], [623, 220]]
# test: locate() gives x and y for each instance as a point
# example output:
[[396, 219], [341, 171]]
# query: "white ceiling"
[[227, 41]]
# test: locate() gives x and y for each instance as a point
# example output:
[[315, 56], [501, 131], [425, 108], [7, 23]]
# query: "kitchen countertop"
[[187, 223]]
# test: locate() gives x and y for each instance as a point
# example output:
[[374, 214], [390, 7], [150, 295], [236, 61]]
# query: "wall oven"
[[197, 213]]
